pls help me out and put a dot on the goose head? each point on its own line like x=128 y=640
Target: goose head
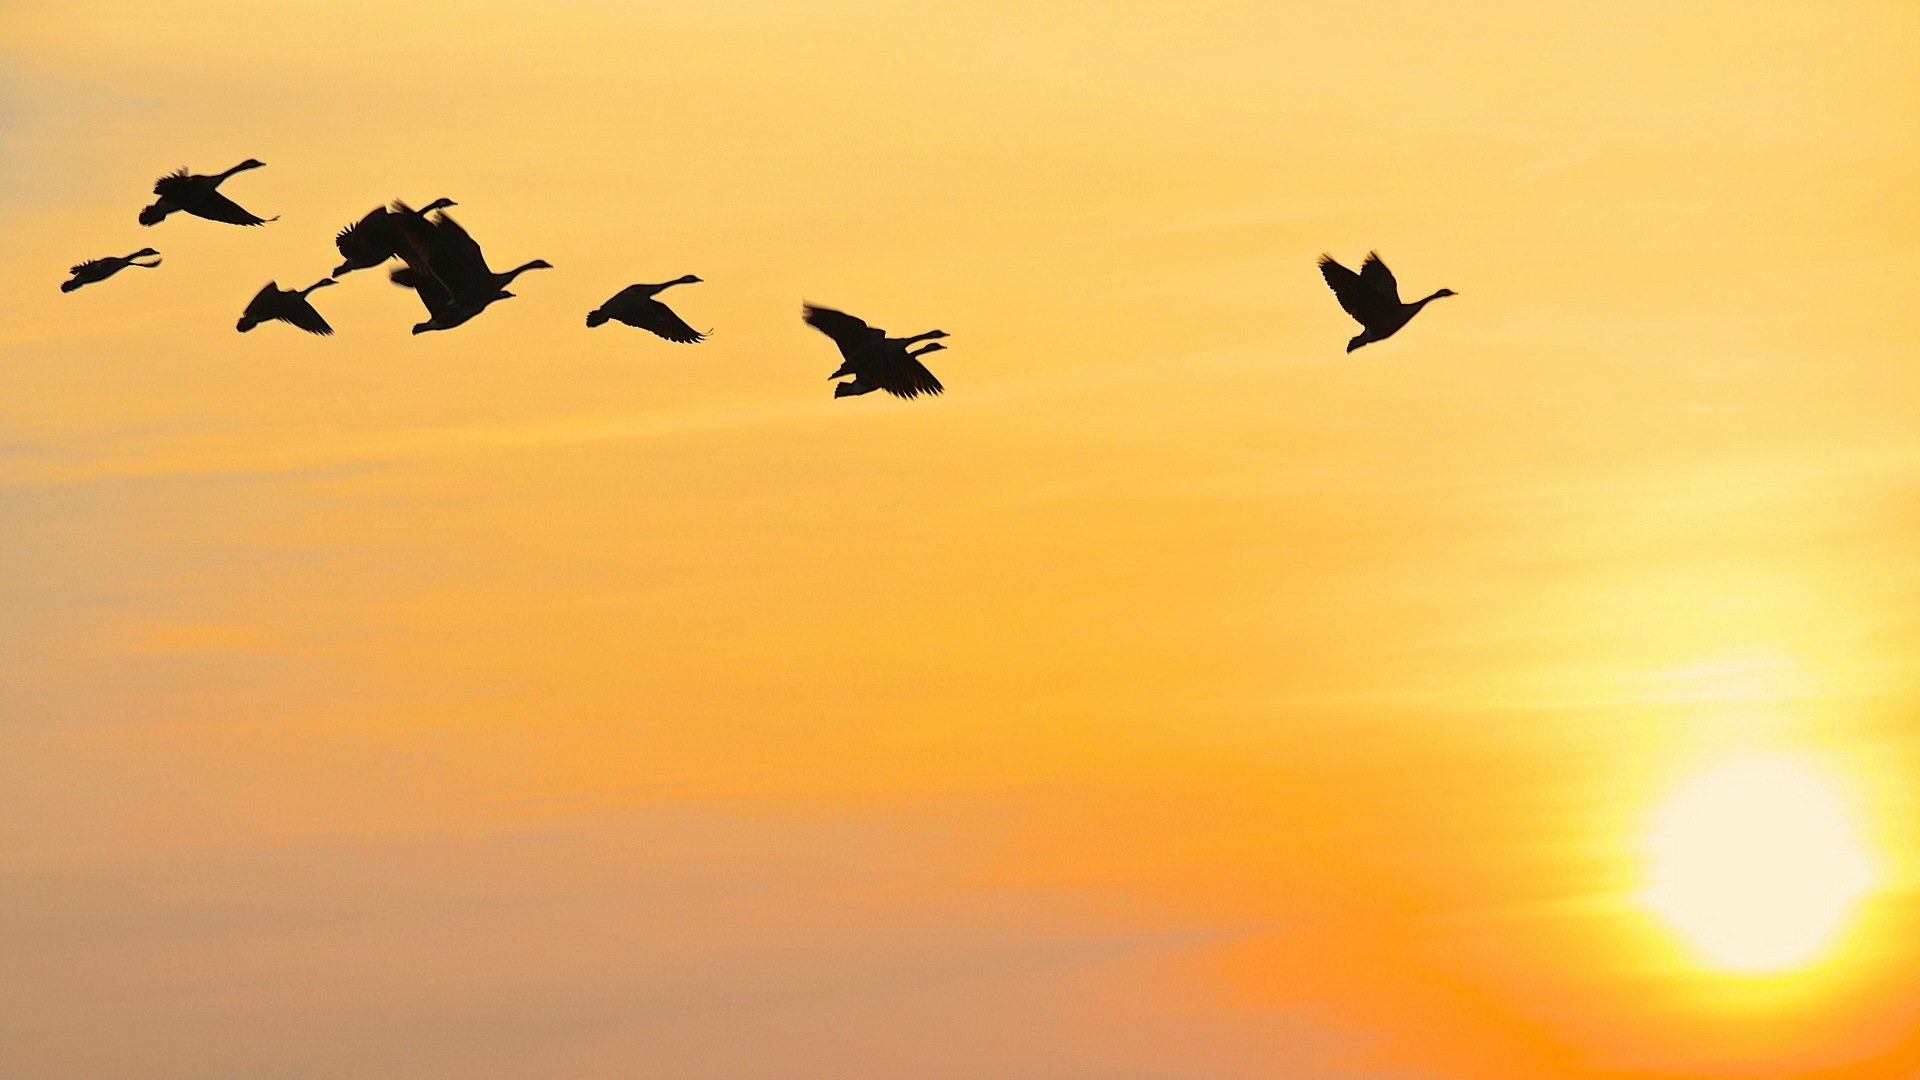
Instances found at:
x=438 y=204
x=685 y=279
x=142 y=253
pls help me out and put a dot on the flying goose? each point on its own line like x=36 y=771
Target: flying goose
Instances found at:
x=1372 y=297
x=101 y=269
x=876 y=361
x=443 y=311
x=635 y=306
x=375 y=238
x=442 y=250
x=196 y=195
x=287 y=305
x=897 y=370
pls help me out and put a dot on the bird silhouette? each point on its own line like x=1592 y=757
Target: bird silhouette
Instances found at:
x=444 y=312
x=101 y=269
x=287 y=305
x=447 y=268
x=635 y=306
x=196 y=195
x=1372 y=297
x=876 y=361
x=375 y=238
x=897 y=370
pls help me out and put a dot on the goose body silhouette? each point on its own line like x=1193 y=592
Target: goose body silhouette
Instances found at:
x=288 y=306
x=1372 y=297
x=447 y=268
x=94 y=270
x=876 y=361
x=375 y=238
x=444 y=310
x=635 y=306
x=895 y=369
x=198 y=195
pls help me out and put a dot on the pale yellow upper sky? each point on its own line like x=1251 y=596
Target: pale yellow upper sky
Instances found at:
x=1177 y=696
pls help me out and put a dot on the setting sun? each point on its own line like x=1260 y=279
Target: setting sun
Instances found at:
x=1757 y=863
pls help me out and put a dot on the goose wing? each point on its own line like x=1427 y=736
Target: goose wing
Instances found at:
x=906 y=377
x=650 y=314
x=1359 y=299
x=217 y=207
x=265 y=303
x=89 y=264
x=425 y=286
x=300 y=312
x=846 y=331
x=458 y=261
x=1379 y=278
x=175 y=184
x=427 y=269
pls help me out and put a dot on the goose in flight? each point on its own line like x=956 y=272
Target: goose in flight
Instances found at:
x=444 y=312
x=635 y=305
x=101 y=269
x=375 y=238
x=196 y=195
x=447 y=268
x=1372 y=297
x=287 y=305
x=876 y=361
x=897 y=370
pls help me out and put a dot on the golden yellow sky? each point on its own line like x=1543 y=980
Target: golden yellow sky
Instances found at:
x=1175 y=697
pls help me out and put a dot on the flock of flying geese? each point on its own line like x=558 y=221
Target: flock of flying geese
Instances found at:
x=446 y=269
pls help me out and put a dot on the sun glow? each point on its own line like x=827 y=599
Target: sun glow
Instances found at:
x=1757 y=863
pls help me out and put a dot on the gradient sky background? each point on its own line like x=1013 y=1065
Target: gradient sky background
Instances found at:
x=1176 y=697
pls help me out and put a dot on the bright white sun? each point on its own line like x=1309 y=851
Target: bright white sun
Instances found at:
x=1757 y=864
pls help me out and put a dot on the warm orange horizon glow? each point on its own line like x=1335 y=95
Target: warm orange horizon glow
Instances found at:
x=1176 y=696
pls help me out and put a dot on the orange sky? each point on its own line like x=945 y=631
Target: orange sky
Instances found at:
x=1176 y=697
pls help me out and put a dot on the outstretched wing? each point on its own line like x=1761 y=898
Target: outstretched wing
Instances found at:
x=173 y=183
x=83 y=267
x=457 y=260
x=660 y=319
x=264 y=304
x=908 y=377
x=217 y=207
x=846 y=331
x=425 y=286
x=1379 y=278
x=302 y=314
x=428 y=271
x=1359 y=298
